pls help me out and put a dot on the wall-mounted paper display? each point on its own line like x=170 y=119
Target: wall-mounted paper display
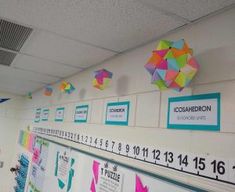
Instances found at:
x=197 y=112
x=68 y=169
x=117 y=113
x=102 y=79
x=66 y=87
x=81 y=114
x=172 y=65
x=37 y=115
x=48 y=90
x=203 y=165
x=45 y=114
x=2 y=100
x=59 y=115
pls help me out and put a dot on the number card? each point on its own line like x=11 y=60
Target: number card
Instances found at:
x=45 y=114
x=37 y=115
x=196 y=112
x=59 y=116
x=81 y=113
x=117 y=113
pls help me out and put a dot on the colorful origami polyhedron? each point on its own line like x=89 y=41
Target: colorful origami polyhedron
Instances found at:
x=48 y=90
x=102 y=79
x=66 y=87
x=172 y=65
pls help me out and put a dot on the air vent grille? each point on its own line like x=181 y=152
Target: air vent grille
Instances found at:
x=6 y=58
x=13 y=36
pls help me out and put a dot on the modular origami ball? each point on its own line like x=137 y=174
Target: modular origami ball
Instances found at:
x=66 y=87
x=102 y=79
x=172 y=65
x=48 y=90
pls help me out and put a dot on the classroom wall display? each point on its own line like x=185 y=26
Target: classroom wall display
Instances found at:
x=81 y=114
x=48 y=90
x=117 y=113
x=196 y=112
x=59 y=115
x=102 y=79
x=2 y=100
x=69 y=170
x=45 y=115
x=201 y=165
x=22 y=173
x=27 y=140
x=172 y=65
x=37 y=115
x=38 y=166
x=66 y=87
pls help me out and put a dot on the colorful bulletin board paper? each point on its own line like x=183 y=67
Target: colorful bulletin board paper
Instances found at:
x=139 y=187
x=48 y=90
x=196 y=112
x=45 y=114
x=81 y=114
x=59 y=116
x=66 y=87
x=102 y=79
x=117 y=113
x=37 y=115
x=172 y=65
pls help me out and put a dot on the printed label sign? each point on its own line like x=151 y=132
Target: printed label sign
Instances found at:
x=59 y=116
x=107 y=177
x=197 y=112
x=117 y=113
x=81 y=113
x=37 y=115
x=45 y=114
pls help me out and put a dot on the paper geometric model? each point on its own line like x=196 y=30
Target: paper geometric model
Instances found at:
x=66 y=87
x=48 y=90
x=139 y=187
x=29 y=95
x=4 y=100
x=102 y=79
x=172 y=65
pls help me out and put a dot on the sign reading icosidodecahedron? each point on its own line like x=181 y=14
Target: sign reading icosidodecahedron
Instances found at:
x=172 y=65
x=102 y=79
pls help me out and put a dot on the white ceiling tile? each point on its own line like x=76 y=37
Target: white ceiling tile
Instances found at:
x=19 y=74
x=190 y=9
x=16 y=86
x=57 y=48
x=43 y=66
x=114 y=24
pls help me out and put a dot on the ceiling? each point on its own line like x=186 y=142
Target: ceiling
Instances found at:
x=62 y=38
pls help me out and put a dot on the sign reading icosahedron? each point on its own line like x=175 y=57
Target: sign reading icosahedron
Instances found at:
x=172 y=65
x=102 y=79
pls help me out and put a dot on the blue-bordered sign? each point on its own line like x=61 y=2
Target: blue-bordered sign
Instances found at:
x=45 y=114
x=59 y=115
x=81 y=114
x=197 y=112
x=37 y=115
x=117 y=113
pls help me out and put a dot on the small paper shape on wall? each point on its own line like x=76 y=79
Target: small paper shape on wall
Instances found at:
x=139 y=187
x=29 y=95
x=172 y=65
x=66 y=87
x=4 y=100
x=48 y=90
x=102 y=79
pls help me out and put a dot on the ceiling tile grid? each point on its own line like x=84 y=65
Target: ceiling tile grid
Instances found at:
x=70 y=36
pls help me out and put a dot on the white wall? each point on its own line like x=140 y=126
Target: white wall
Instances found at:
x=8 y=135
x=213 y=41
